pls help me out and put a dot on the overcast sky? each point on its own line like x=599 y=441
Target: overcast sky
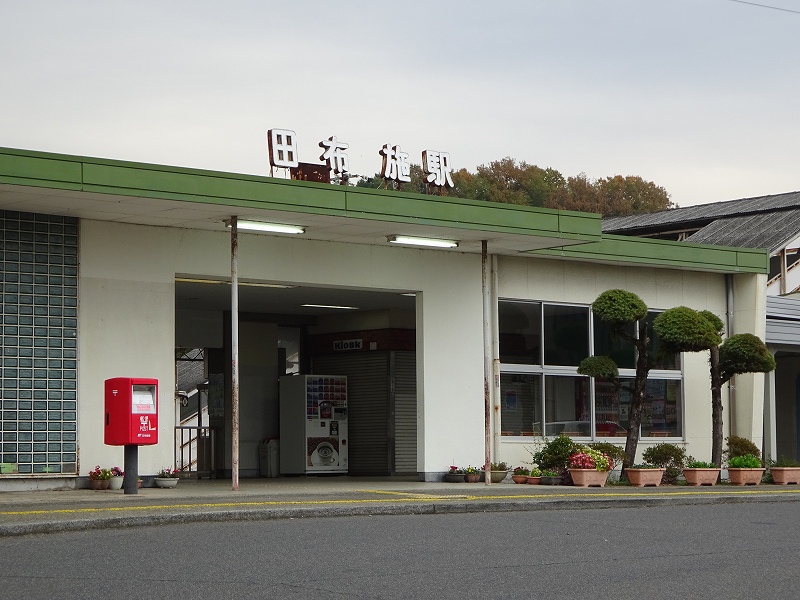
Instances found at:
x=700 y=96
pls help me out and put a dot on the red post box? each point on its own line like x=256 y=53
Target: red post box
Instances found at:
x=131 y=411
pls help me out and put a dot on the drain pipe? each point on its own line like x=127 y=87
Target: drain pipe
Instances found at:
x=729 y=329
x=234 y=354
x=495 y=331
x=487 y=349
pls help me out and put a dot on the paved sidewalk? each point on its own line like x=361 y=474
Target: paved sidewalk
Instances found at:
x=260 y=499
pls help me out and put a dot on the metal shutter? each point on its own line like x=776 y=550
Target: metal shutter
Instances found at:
x=405 y=411
x=367 y=407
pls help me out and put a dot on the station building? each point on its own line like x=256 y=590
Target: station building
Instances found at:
x=122 y=269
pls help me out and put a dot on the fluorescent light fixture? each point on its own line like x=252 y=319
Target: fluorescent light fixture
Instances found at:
x=279 y=286
x=329 y=306
x=266 y=227
x=418 y=241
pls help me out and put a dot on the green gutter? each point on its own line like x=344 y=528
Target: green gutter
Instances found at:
x=621 y=249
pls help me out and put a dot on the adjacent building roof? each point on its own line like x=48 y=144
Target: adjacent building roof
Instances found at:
x=768 y=222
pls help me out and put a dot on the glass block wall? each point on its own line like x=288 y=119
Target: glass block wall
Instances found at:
x=39 y=343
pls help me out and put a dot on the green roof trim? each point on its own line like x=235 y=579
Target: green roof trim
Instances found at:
x=60 y=171
x=24 y=167
x=621 y=249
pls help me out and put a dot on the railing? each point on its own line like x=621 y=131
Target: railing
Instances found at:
x=194 y=450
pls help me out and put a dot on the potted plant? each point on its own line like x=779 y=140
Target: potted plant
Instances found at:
x=498 y=472
x=99 y=479
x=785 y=471
x=698 y=472
x=520 y=475
x=535 y=476
x=589 y=468
x=745 y=470
x=454 y=475
x=550 y=477
x=117 y=476
x=670 y=457
x=645 y=474
x=472 y=474
x=553 y=455
x=167 y=478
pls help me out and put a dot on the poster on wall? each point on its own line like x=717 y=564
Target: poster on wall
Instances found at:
x=511 y=400
x=216 y=395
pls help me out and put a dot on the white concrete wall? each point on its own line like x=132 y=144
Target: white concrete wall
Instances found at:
x=749 y=316
x=564 y=281
x=127 y=322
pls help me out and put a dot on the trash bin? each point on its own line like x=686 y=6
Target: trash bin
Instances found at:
x=269 y=458
x=263 y=458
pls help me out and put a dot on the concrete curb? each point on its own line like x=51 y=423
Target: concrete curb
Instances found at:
x=145 y=518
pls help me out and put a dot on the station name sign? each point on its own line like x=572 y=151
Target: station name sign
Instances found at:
x=395 y=166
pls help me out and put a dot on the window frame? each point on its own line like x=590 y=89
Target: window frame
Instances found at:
x=572 y=371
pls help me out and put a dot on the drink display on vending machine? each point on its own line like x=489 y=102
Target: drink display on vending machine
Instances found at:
x=313 y=424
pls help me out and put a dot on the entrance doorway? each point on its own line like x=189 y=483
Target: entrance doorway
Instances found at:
x=285 y=330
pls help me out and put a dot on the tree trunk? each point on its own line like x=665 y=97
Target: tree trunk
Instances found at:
x=716 y=408
x=639 y=392
x=634 y=423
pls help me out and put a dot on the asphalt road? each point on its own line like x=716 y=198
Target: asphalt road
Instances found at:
x=724 y=550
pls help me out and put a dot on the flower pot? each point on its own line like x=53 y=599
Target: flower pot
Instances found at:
x=472 y=477
x=741 y=476
x=588 y=477
x=116 y=482
x=519 y=478
x=454 y=477
x=167 y=482
x=785 y=475
x=701 y=476
x=534 y=480
x=96 y=484
x=496 y=476
x=645 y=477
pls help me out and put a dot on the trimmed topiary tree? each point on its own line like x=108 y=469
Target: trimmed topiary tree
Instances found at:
x=625 y=314
x=683 y=329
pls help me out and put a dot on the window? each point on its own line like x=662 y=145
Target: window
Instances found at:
x=521 y=404
x=520 y=325
x=541 y=346
x=661 y=410
x=566 y=334
x=661 y=361
x=568 y=408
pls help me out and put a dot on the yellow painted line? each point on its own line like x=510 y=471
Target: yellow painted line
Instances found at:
x=415 y=495
x=398 y=497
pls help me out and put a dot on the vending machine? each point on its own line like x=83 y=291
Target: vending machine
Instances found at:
x=313 y=424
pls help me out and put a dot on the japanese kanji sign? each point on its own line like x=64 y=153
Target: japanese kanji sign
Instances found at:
x=396 y=166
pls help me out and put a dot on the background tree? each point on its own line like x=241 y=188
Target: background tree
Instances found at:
x=517 y=182
x=508 y=181
x=625 y=314
x=683 y=329
x=417 y=183
x=631 y=195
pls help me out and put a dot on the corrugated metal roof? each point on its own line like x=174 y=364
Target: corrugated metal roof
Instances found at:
x=702 y=213
x=771 y=230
